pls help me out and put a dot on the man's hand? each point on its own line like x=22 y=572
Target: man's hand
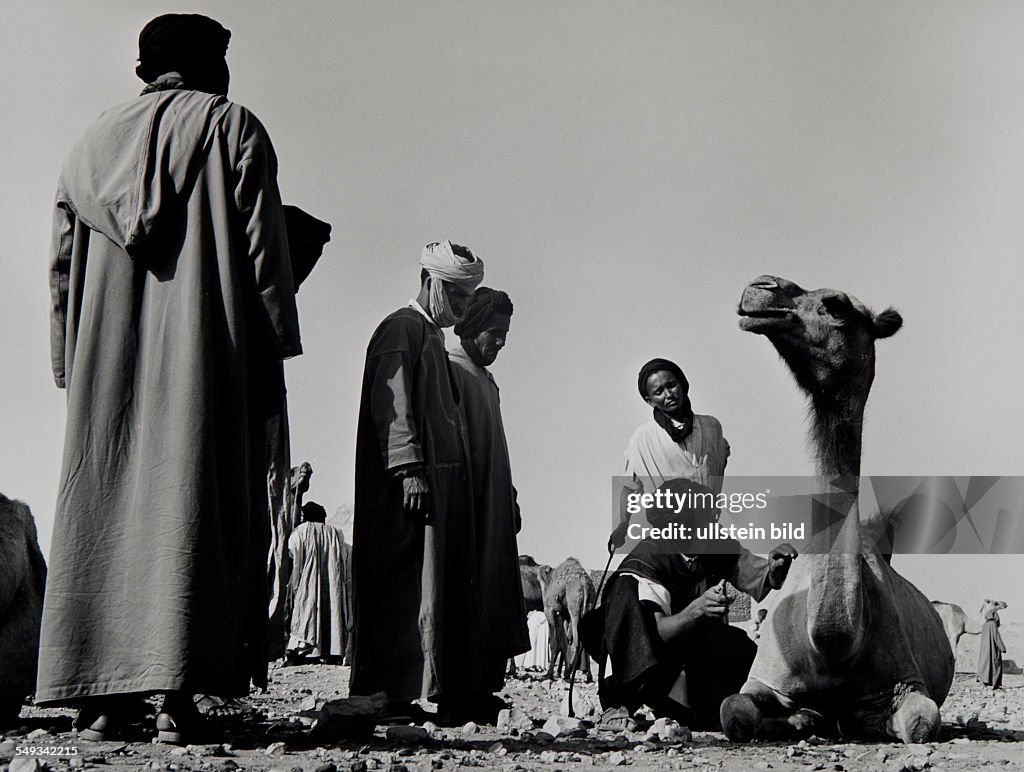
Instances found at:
x=778 y=563
x=713 y=604
x=414 y=494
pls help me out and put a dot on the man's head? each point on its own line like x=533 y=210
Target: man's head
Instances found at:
x=449 y=275
x=663 y=386
x=313 y=513
x=683 y=502
x=192 y=45
x=484 y=327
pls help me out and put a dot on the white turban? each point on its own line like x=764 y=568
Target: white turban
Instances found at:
x=443 y=265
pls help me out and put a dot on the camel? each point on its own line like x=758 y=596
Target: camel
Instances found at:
x=957 y=624
x=533 y=576
x=22 y=580
x=568 y=595
x=850 y=644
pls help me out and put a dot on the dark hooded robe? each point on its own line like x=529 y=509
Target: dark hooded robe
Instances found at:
x=172 y=306
x=990 y=653
x=500 y=617
x=414 y=581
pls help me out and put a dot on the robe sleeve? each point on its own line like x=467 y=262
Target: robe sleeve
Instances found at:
x=751 y=574
x=392 y=361
x=259 y=202
x=60 y=276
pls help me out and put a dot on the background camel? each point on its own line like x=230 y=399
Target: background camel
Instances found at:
x=22 y=579
x=567 y=596
x=956 y=623
x=850 y=642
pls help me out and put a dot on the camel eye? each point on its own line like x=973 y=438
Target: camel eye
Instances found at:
x=836 y=306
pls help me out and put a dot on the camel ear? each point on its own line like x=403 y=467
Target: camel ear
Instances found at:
x=887 y=323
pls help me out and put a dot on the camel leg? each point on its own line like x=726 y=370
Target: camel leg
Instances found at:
x=915 y=720
x=554 y=643
x=759 y=712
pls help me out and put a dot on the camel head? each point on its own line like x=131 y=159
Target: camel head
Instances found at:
x=991 y=605
x=826 y=337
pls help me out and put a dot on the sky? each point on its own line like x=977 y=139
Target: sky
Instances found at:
x=623 y=169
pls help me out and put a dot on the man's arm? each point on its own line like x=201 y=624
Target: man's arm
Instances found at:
x=60 y=278
x=391 y=404
x=259 y=203
x=756 y=576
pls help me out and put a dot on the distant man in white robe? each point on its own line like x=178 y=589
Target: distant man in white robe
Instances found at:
x=500 y=617
x=320 y=593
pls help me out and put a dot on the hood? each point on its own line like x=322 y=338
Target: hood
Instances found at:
x=129 y=174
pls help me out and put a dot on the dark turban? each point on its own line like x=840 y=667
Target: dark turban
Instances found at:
x=181 y=42
x=313 y=512
x=657 y=366
x=483 y=306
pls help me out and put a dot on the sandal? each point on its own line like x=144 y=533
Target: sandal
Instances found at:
x=180 y=723
x=217 y=708
x=104 y=717
x=617 y=720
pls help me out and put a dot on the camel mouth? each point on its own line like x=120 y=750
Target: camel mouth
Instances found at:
x=763 y=320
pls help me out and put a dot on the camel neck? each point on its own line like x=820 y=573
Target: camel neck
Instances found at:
x=837 y=436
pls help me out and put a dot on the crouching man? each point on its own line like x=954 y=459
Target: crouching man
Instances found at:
x=662 y=634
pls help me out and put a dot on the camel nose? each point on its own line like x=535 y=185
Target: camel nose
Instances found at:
x=765 y=282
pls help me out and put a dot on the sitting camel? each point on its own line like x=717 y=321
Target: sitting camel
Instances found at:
x=850 y=643
x=568 y=595
x=957 y=624
x=22 y=579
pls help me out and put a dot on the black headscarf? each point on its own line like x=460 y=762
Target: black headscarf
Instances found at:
x=685 y=412
x=484 y=304
x=313 y=513
x=188 y=43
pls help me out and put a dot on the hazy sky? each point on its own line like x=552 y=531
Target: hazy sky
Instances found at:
x=623 y=169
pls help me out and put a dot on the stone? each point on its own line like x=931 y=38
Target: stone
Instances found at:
x=563 y=726
x=37 y=734
x=8 y=747
x=276 y=749
x=514 y=718
x=671 y=731
x=470 y=728
x=616 y=759
x=25 y=764
x=549 y=757
x=351 y=718
x=407 y=734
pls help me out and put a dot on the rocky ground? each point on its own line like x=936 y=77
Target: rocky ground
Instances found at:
x=981 y=728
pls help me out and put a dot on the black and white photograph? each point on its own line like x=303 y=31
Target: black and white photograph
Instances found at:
x=412 y=386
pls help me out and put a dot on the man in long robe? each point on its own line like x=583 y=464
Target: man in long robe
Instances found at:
x=307 y=236
x=413 y=543
x=500 y=619
x=991 y=648
x=285 y=492
x=318 y=588
x=172 y=297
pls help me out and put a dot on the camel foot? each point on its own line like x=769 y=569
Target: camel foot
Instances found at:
x=741 y=718
x=916 y=720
